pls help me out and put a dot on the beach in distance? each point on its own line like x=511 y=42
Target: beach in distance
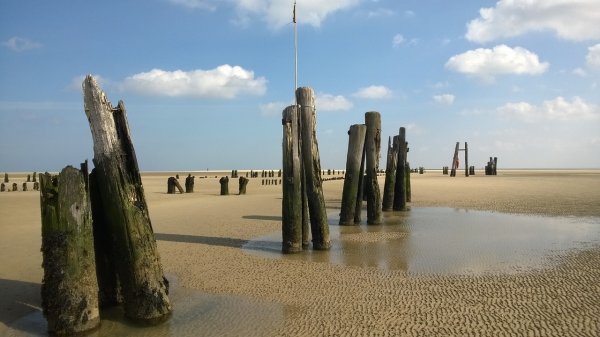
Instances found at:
x=517 y=254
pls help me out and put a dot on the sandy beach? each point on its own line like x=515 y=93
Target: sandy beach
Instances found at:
x=206 y=245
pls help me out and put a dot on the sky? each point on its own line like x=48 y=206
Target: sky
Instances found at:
x=205 y=81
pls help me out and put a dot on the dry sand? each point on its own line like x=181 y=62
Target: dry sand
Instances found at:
x=200 y=239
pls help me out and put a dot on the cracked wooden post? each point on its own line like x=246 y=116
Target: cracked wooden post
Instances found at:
x=372 y=153
x=291 y=224
x=390 y=175
x=143 y=285
x=312 y=169
x=400 y=188
x=224 y=181
x=356 y=144
x=69 y=287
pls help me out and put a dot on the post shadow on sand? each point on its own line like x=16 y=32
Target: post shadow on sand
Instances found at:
x=220 y=241
x=262 y=217
x=19 y=299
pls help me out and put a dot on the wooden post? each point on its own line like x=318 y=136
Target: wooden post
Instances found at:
x=14 y=187
x=356 y=143
x=495 y=166
x=34 y=177
x=312 y=169
x=390 y=174
x=189 y=183
x=361 y=189
x=106 y=271
x=69 y=287
x=243 y=182
x=454 y=161
x=24 y=187
x=291 y=224
x=143 y=285
x=466 y=160
x=408 y=190
x=224 y=181
x=171 y=185
x=372 y=153
x=29 y=178
x=5 y=177
x=2 y=187
x=400 y=188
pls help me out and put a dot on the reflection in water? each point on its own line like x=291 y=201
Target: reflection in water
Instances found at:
x=448 y=241
x=194 y=314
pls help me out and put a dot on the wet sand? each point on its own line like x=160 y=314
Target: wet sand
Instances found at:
x=203 y=241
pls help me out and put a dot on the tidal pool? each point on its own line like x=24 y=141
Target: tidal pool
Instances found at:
x=195 y=314
x=448 y=241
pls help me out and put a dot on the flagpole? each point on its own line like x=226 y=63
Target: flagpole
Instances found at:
x=295 y=55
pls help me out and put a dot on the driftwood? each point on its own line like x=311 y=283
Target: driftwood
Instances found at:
x=69 y=287
x=312 y=169
x=291 y=225
x=133 y=246
x=372 y=153
x=356 y=143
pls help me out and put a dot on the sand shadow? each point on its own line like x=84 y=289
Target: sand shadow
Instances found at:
x=262 y=217
x=19 y=299
x=220 y=241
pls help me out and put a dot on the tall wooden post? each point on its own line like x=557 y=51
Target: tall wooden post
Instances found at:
x=5 y=177
x=390 y=174
x=400 y=188
x=361 y=189
x=372 y=153
x=356 y=143
x=495 y=166
x=69 y=287
x=291 y=205
x=143 y=285
x=312 y=169
x=466 y=160
x=454 y=161
x=408 y=190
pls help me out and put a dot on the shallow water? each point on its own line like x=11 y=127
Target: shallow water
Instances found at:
x=448 y=241
x=195 y=314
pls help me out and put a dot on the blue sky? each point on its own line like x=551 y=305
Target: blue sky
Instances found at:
x=205 y=81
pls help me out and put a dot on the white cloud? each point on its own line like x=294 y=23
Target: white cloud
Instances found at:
x=380 y=12
x=278 y=13
x=579 y=72
x=272 y=108
x=327 y=102
x=593 y=57
x=195 y=4
x=398 y=40
x=373 y=92
x=19 y=44
x=225 y=81
x=446 y=99
x=558 y=109
x=570 y=19
x=486 y=63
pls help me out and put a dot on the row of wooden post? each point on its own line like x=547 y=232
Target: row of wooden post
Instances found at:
x=36 y=187
x=491 y=167
x=303 y=198
x=98 y=244
x=28 y=177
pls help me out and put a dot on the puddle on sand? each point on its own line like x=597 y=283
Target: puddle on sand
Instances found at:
x=194 y=314
x=447 y=241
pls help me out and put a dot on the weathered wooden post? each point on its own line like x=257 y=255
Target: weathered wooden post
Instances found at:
x=408 y=190
x=29 y=178
x=2 y=187
x=69 y=287
x=243 y=182
x=495 y=166
x=400 y=188
x=5 y=177
x=189 y=183
x=14 y=187
x=171 y=185
x=390 y=174
x=24 y=187
x=361 y=189
x=34 y=177
x=312 y=169
x=466 y=160
x=356 y=143
x=372 y=153
x=455 y=163
x=292 y=187
x=143 y=285
x=224 y=181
